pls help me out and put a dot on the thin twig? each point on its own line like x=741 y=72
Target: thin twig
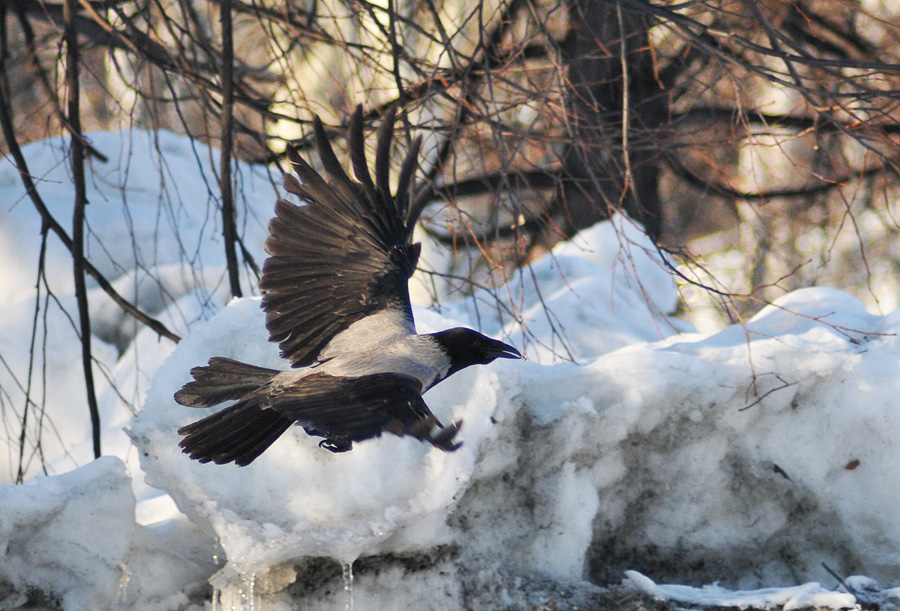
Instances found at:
x=776 y=389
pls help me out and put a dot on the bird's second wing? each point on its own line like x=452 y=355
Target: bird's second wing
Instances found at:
x=352 y=409
x=344 y=255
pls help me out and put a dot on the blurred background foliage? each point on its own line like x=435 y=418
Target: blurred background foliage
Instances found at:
x=758 y=138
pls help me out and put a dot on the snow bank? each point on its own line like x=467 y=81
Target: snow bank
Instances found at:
x=744 y=453
x=627 y=442
x=53 y=542
x=71 y=540
x=740 y=456
x=388 y=495
x=385 y=496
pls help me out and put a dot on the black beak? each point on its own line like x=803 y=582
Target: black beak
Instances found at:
x=499 y=350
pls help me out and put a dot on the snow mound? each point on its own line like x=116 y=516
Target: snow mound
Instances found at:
x=749 y=457
x=386 y=495
x=605 y=289
x=740 y=456
x=53 y=543
x=71 y=540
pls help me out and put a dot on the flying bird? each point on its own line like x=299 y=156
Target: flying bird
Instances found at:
x=337 y=303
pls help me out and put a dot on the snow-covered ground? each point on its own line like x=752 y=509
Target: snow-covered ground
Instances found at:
x=736 y=465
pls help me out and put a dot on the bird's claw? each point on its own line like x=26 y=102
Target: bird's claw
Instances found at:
x=444 y=438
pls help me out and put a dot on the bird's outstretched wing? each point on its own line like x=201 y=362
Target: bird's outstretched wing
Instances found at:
x=344 y=255
x=344 y=410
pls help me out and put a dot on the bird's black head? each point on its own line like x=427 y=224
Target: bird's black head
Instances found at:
x=467 y=347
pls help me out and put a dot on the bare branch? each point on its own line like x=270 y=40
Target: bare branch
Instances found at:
x=229 y=228
x=74 y=122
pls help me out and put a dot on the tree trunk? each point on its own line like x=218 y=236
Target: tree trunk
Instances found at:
x=610 y=163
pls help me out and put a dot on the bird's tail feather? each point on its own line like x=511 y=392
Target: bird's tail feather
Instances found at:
x=221 y=380
x=239 y=433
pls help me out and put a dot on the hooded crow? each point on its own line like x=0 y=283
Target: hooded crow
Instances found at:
x=337 y=303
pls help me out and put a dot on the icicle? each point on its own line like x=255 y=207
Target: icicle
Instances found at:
x=233 y=591
x=122 y=593
x=245 y=600
x=230 y=591
x=217 y=590
x=347 y=572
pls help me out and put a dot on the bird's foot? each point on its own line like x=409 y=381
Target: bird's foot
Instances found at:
x=444 y=438
x=441 y=437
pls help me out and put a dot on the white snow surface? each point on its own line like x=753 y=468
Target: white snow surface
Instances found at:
x=747 y=457
x=808 y=595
